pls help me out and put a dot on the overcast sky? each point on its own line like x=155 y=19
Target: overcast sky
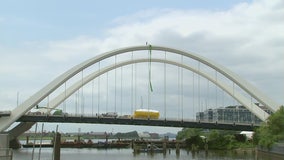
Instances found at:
x=40 y=40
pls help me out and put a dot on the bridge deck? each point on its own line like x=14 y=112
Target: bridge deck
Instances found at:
x=132 y=121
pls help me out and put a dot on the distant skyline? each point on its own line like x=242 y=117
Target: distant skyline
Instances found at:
x=40 y=40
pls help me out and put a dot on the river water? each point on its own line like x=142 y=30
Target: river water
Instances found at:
x=127 y=154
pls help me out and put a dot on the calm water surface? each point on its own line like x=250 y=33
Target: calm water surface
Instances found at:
x=127 y=154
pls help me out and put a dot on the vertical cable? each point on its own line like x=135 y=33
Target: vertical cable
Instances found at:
x=149 y=82
x=82 y=94
x=181 y=88
x=193 y=98
x=216 y=100
x=121 y=91
x=251 y=105
x=179 y=92
x=99 y=88
x=165 y=87
x=115 y=85
x=208 y=95
x=76 y=103
x=132 y=83
x=234 y=100
x=106 y=92
x=199 y=85
x=223 y=105
x=233 y=93
x=48 y=101
x=135 y=86
x=64 y=103
x=92 y=98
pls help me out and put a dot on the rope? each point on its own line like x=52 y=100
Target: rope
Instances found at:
x=150 y=61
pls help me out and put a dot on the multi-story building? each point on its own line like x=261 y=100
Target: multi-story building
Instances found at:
x=238 y=114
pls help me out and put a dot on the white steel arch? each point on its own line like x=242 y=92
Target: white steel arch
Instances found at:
x=239 y=97
x=44 y=92
x=72 y=89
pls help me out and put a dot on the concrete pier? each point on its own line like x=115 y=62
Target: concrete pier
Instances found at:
x=5 y=151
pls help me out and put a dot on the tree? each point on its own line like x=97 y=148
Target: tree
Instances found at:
x=271 y=131
x=188 y=132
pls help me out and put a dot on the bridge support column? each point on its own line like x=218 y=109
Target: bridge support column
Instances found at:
x=4 y=140
x=5 y=151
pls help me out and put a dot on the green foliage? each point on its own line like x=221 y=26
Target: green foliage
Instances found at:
x=216 y=139
x=187 y=133
x=272 y=131
x=223 y=140
x=128 y=135
x=195 y=141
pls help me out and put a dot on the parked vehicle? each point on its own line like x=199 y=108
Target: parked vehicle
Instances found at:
x=146 y=114
x=110 y=114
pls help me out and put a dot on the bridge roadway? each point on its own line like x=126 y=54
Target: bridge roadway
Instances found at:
x=134 y=121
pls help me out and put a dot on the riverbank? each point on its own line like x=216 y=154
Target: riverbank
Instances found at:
x=277 y=150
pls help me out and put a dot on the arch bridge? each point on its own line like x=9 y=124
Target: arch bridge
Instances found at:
x=193 y=74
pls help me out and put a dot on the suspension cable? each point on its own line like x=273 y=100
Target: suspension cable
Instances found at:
x=223 y=105
x=64 y=103
x=82 y=94
x=149 y=82
x=251 y=106
x=193 y=98
x=115 y=85
x=132 y=84
x=216 y=94
x=179 y=92
x=199 y=85
x=99 y=88
x=208 y=95
x=107 y=92
x=76 y=102
x=181 y=89
x=135 y=86
x=121 y=90
x=165 y=87
x=92 y=98
x=48 y=101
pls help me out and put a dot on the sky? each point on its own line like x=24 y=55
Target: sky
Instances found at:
x=40 y=40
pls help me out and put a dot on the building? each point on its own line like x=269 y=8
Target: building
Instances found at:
x=238 y=114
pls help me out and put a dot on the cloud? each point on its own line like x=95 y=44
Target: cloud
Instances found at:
x=247 y=38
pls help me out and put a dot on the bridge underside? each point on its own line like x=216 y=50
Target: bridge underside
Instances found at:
x=145 y=122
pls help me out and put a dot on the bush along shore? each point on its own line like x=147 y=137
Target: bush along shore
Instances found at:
x=197 y=139
x=270 y=133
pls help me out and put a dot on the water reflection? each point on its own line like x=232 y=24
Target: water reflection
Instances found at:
x=127 y=154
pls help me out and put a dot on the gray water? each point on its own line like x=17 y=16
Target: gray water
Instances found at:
x=127 y=154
